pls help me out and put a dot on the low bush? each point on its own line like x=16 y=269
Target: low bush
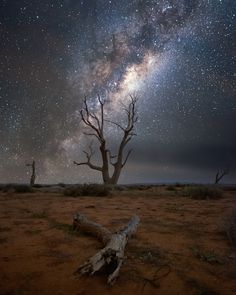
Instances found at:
x=202 y=192
x=39 y=215
x=61 y=184
x=180 y=184
x=87 y=190
x=140 y=187
x=38 y=185
x=120 y=188
x=17 y=188
x=229 y=188
x=209 y=257
x=67 y=228
x=171 y=188
x=230 y=227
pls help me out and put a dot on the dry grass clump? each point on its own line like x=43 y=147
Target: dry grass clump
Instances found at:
x=171 y=188
x=98 y=190
x=229 y=188
x=139 y=187
x=203 y=192
x=16 y=188
x=229 y=227
x=209 y=256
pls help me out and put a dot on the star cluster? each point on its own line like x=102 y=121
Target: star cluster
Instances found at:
x=178 y=56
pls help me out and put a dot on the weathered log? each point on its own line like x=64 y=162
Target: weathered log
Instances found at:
x=112 y=254
x=94 y=229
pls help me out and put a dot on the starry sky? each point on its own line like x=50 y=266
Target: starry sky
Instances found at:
x=177 y=56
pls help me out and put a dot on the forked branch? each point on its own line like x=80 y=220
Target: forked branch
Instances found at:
x=88 y=162
x=127 y=156
x=220 y=174
x=113 y=252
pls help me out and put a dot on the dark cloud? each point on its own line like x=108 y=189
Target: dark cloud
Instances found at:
x=196 y=156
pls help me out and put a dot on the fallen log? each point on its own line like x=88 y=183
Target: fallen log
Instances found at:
x=112 y=254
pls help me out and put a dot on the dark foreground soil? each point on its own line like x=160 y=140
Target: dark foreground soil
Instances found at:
x=180 y=246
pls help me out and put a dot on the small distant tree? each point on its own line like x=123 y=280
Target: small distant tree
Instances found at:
x=33 y=175
x=95 y=122
x=220 y=174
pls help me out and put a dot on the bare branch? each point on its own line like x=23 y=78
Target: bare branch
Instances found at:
x=86 y=115
x=112 y=122
x=88 y=163
x=91 y=134
x=131 y=114
x=90 y=153
x=100 y=100
x=127 y=156
x=111 y=157
x=80 y=163
x=127 y=140
x=131 y=118
x=102 y=113
x=94 y=167
x=133 y=134
x=220 y=174
x=96 y=119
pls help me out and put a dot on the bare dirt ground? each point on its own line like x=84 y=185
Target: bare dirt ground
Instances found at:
x=179 y=247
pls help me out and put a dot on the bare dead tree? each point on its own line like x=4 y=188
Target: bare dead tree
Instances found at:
x=95 y=123
x=33 y=175
x=220 y=174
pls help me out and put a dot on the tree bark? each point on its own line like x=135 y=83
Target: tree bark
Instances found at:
x=33 y=175
x=112 y=254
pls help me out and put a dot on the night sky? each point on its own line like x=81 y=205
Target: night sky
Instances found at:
x=177 y=56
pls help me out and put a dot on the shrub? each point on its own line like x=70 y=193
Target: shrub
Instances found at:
x=39 y=215
x=68 y=228
x=210 y=257
x=2 y=186
x=229 y=188
x=17 y=188
x=180 y=184
x=87 y=190
x=95 y=190
x=23 y=189
x=230 y=227
x=202 y=192
x=38 y=185
x=171 y=188
x=140 y=187
x=120 y=188
x=61 y=184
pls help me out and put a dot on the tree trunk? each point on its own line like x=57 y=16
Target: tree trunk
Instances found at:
x=33 y=175
x=112 y=254
x=116 y=174
x=105 y=166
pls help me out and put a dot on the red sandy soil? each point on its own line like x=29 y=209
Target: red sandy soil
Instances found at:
x=179 y=247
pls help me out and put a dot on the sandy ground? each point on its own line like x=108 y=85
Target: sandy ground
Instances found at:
x=179 y=247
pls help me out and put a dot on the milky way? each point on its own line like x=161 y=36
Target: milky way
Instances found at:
x=178 y=56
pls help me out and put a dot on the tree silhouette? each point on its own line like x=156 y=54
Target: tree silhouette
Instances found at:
x=220 y=174
x=95 y=123
x=33 y=175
